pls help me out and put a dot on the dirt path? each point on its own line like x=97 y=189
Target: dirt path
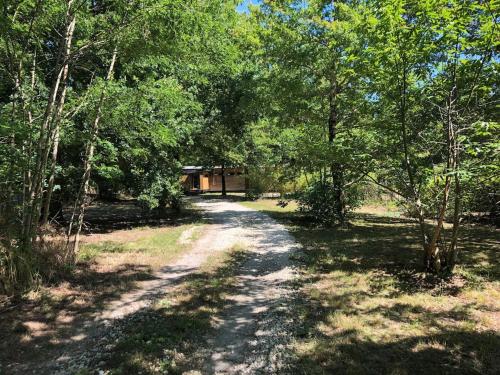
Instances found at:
x=253 y=328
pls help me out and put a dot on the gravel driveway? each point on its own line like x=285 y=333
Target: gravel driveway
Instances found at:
x=255 y=328
x=253 y=331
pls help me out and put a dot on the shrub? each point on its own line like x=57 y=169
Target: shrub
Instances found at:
x=45 y=261
x=320 y=201
x=253 y=194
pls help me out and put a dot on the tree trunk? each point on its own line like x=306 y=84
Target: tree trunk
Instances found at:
x=335 y=168
x=29 y=146
x=453 y=249
x=223 y=179
x=7 y=196
x=433 y=253
x=452 y=255
x=415 y=195
x=32 y=216
x=247 y=180
x=55 y=139
x=81 y=201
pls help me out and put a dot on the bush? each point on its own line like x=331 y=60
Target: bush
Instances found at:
x=268 y=179
x=253 y=194
x=163 y=192
x=319 y=200
x=25 y=269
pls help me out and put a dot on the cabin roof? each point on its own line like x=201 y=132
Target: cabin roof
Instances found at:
x=191 y=169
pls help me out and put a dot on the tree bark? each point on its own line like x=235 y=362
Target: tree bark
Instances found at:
x=453 y=249
x=55 y=148
x=223 y=180
x=335 y=168
x=43 y=149
x=452 y=255
x=433 y=252
x=81 y=201
x=28 y=146
x=415 y=195
x=56 y=133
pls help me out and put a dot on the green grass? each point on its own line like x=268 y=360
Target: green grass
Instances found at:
x=270 y=205
x=367 y=309
x=156 y=246
x=285 y=214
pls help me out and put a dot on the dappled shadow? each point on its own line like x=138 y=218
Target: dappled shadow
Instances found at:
x=292 y=218
x=31 y=329
x=67 y=345
x=446 y=352
x=387 y=249
x=367 y=307
x=390 y=246
x=480 y=250
x=63 y=327
x=105 y=217
x=179 y=335
x=67 y=312
x=171 y=337
x=253 y=321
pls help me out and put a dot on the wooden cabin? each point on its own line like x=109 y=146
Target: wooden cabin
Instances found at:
x=196 y=179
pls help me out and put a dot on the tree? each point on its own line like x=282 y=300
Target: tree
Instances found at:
x=315 y=60
x=226 y=96
x=427 y=76
x=84 y=80
x=32 y=123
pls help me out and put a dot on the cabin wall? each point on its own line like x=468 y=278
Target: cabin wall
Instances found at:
x=233 y=183
x=205 y=183
x=186 y=182
x=212 y=181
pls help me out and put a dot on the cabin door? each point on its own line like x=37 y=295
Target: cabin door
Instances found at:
x=196 y=181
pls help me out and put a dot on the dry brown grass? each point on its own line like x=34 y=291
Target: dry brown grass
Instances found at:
x=109 y=265
x=368 y=309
